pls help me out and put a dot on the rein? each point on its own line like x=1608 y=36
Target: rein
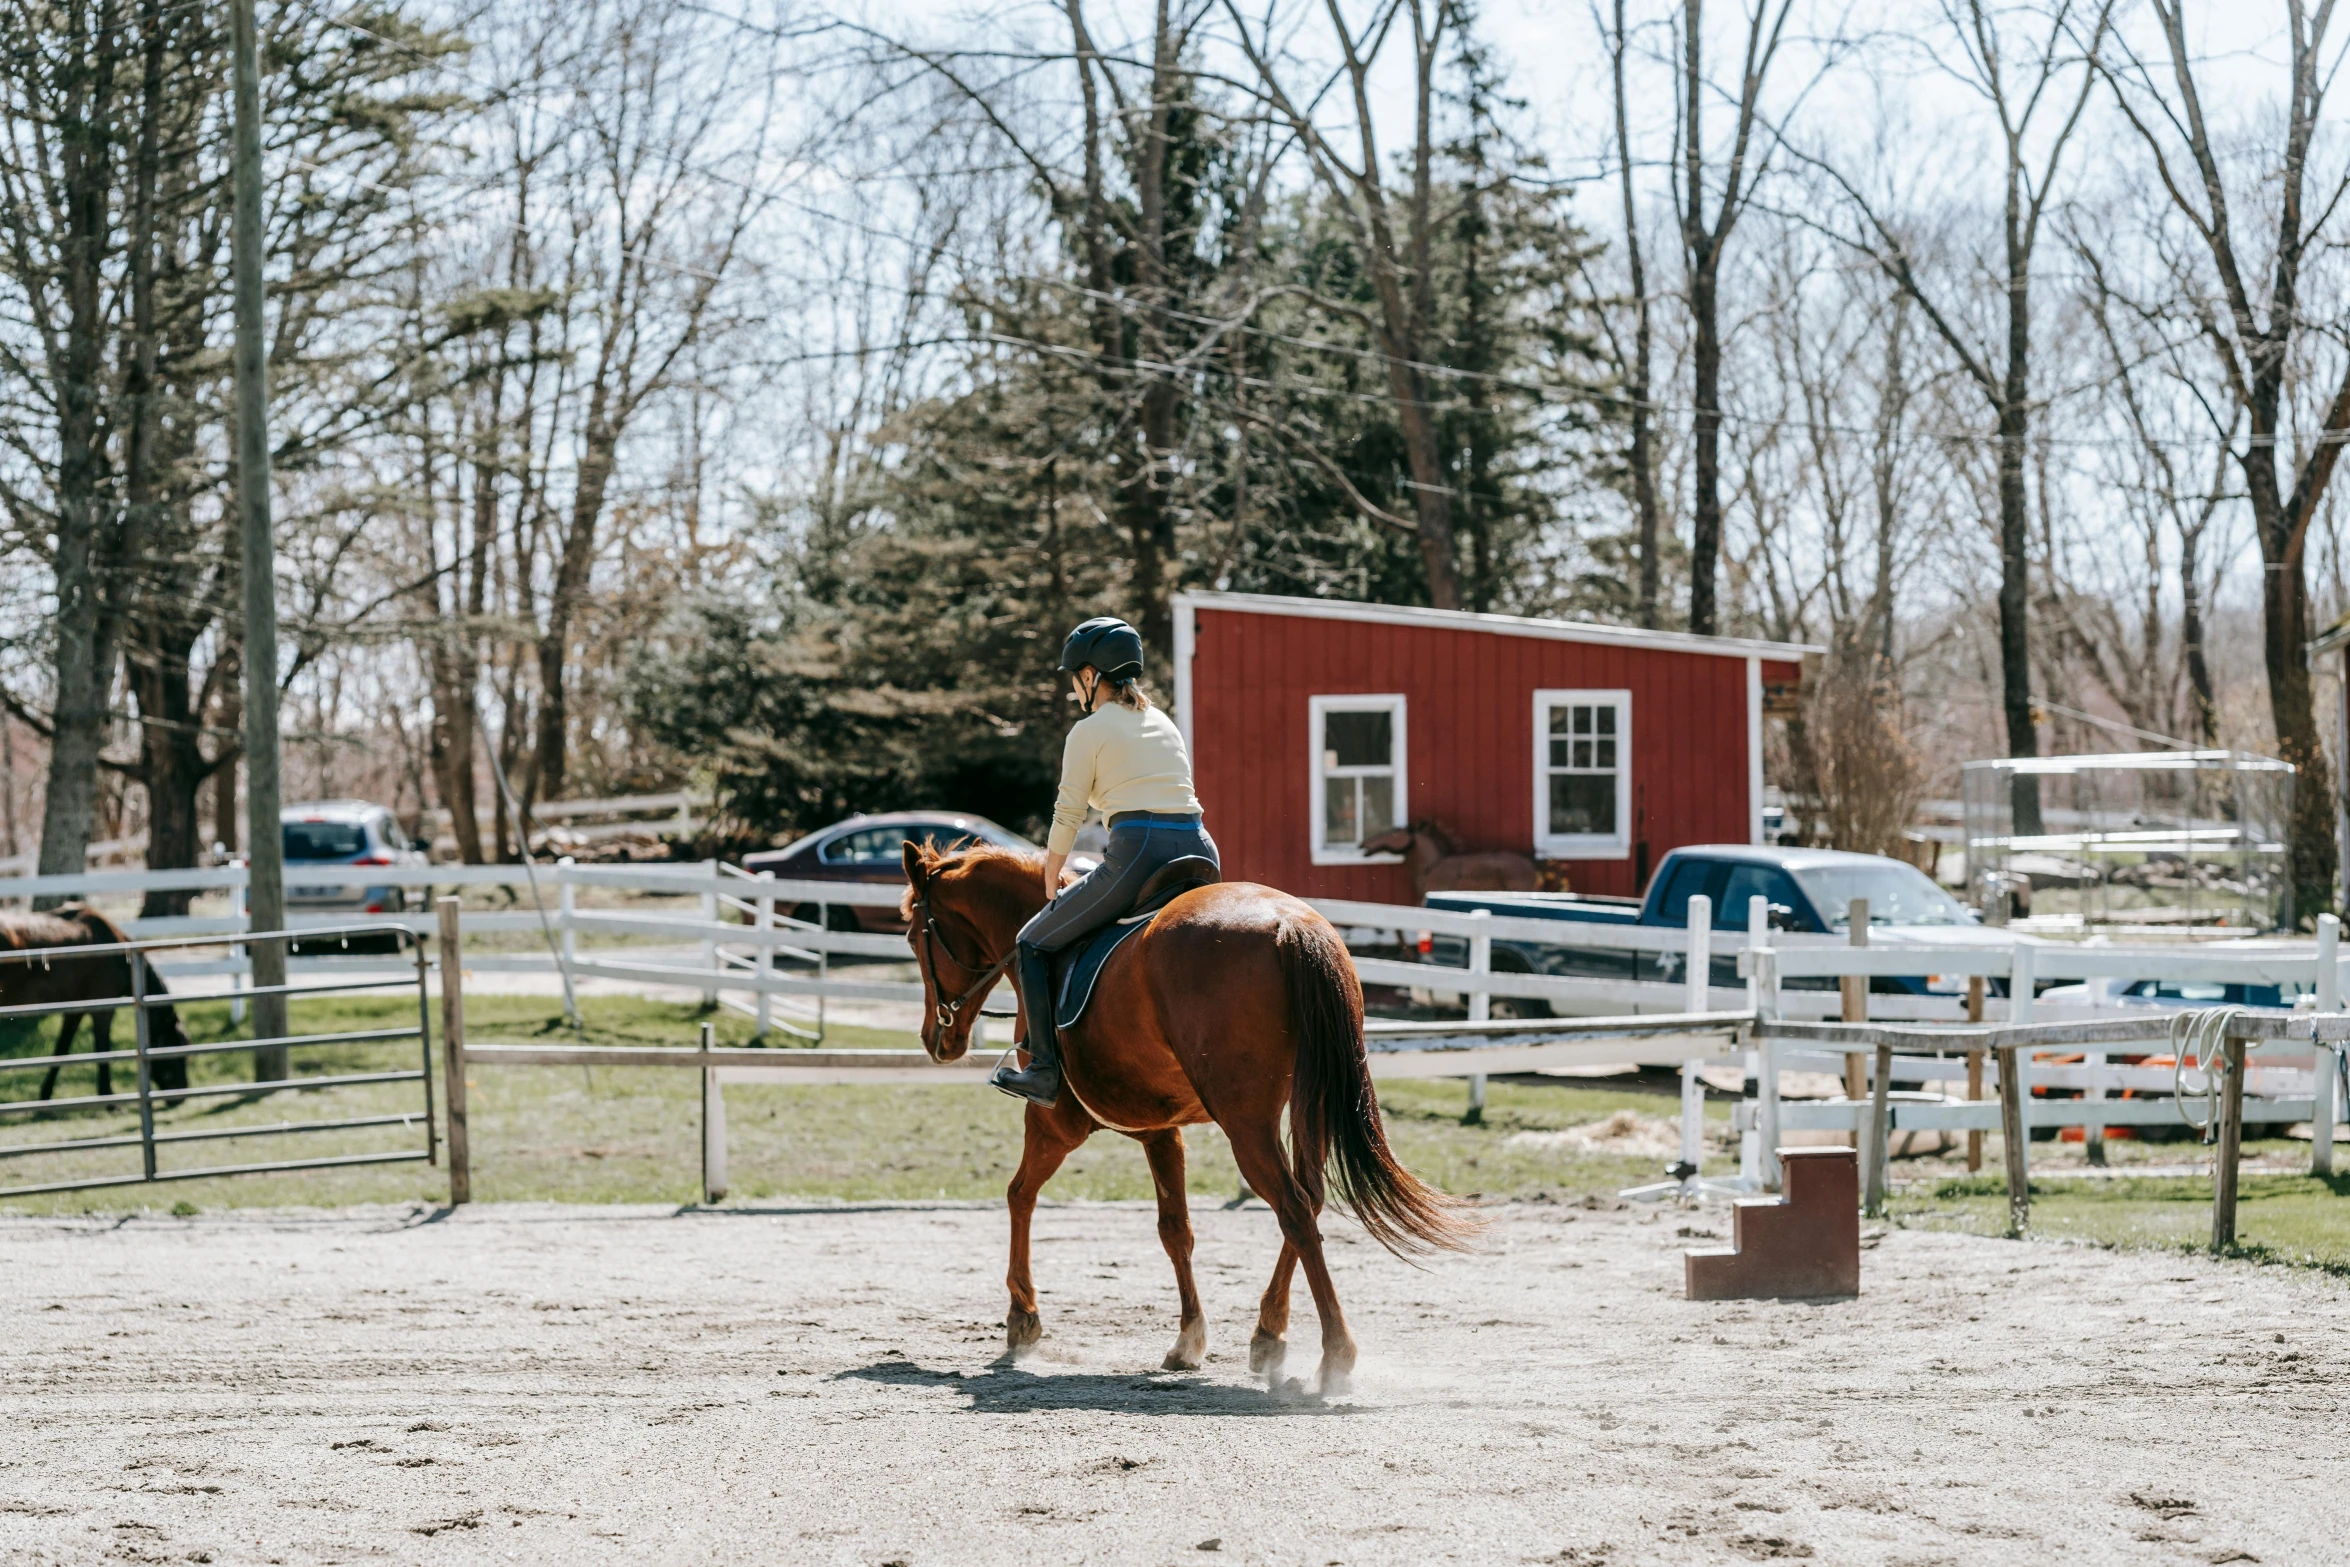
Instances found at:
x=949 y=1010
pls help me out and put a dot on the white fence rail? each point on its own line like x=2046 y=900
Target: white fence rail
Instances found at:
x=741 y=926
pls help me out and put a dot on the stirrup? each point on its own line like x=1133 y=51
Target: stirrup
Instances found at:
x=1007 y=1071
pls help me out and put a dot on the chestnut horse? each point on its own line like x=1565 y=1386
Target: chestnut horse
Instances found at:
x=1238 y=1001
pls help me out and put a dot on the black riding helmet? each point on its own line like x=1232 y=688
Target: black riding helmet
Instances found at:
x=1108 y=644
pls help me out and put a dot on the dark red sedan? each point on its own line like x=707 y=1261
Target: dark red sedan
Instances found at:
x=871 y=850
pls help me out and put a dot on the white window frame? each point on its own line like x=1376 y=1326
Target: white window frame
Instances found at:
x=1391 y=703
x=1582 y=845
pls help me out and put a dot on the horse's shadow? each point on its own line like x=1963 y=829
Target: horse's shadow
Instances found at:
x=1005 y=1388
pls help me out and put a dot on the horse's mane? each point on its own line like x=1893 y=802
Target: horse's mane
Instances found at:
x=984 y=863
x=973 y=856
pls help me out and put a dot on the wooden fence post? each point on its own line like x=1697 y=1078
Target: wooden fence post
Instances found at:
x=713 y=1130
x=1880 y=1132
x=1480 y=1001
x=1974 y=1071
x=2015 y=1132
x=1762 y=994
x=710 y=943
x=453 y=1053
x=2323 y=1058
x=1855 y=989
x=765 y=1005
x=2231 y=1143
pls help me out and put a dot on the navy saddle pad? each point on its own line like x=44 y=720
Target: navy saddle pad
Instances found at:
x=1075 y=968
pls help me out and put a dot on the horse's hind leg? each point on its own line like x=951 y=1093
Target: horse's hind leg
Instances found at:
x=1165 y=1151
x=66 y=1029
x=1048 y=1143
x=101 y=1041
x=1269 y=1346
x=1297 y=1207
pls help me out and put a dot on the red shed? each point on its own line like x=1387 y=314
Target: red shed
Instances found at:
x=1314 y=725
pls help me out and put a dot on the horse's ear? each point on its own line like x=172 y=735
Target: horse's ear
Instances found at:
x=913 y=862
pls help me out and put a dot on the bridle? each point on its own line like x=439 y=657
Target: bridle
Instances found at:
x=948 y=1011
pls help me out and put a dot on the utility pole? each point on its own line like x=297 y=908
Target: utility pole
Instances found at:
x=265 y=899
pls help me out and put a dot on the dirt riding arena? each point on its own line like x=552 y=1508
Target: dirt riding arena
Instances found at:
x=823 y=1386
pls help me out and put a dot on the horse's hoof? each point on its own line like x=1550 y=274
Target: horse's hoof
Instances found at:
x=1191 y=1348
x=1021 y=1330
x=1266 y=1351
x=1338 y=1366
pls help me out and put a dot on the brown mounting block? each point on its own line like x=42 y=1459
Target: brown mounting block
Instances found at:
x=1238 y=1003
x=1805 y=1244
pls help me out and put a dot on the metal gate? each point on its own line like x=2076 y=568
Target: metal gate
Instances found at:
x=142 y=1001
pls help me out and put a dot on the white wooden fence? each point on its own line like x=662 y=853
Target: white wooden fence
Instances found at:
x=740 y=926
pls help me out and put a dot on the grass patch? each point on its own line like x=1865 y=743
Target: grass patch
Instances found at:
x=2299 y=1219
x=629 y=1134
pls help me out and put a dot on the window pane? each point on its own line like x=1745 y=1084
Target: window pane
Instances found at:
x=1582 y=720
x=1689 y=879
x=1746 y=883
x=1558 y=720
x=1582 y=753
x=1338 y=811
x=324 y=840
x=1582 y=803
x=1607 y=720
x=1360 y=739
x=1378 y=804
x=1605 y=756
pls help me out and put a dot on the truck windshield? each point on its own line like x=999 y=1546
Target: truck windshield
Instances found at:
x=1897 y=894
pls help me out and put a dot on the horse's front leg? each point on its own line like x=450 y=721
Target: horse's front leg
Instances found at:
x=65 y=1032
x=1164 y=1149
x=1052 y=1134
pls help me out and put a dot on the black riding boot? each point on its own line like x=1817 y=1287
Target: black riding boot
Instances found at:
x=1041 y=1082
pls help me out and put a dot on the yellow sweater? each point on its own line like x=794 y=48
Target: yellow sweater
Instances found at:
x=1117 y=759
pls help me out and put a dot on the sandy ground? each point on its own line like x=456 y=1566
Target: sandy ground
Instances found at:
x=822 y=1385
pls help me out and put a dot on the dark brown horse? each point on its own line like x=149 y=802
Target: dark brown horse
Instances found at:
x=1438 y=863
x=67 y=976
x=1237 y=1003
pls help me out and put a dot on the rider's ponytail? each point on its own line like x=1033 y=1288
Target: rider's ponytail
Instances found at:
x=1129 y=693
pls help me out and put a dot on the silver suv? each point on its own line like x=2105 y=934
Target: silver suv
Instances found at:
x=343 y=832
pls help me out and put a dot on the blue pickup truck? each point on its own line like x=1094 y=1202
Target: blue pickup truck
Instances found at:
x=1809 y=891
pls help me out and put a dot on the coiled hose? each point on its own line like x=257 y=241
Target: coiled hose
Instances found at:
x=2200 y=1038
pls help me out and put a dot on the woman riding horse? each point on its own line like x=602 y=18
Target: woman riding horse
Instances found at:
x=1236 y=1005
x=1125 y=759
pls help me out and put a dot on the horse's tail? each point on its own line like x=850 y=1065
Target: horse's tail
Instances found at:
x=1334 y=1115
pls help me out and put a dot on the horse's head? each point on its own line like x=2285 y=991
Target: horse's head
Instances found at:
x=1396 y=840
x=964 y=909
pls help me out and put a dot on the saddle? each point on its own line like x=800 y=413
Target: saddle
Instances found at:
x=1077 y=966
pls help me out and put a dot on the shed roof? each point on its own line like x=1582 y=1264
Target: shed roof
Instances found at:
x=1497 y=625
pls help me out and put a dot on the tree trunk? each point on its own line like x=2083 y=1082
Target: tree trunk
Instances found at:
x=1150 y=527
x=171 y=761
x=1643 y=454
x=87 y=531
x=1705 y=534
x=2191 y=634
x=571 y=579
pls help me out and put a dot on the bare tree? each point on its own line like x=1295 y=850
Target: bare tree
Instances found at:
x=1395 y=235
x=2263 y=334
x=2021 y=77
x=1705 y=239
x=1638 y=365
